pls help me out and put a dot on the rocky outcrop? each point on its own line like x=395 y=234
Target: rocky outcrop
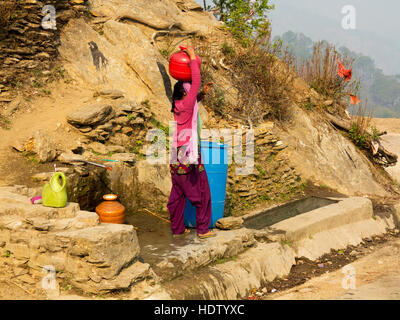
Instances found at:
x=25 y=46
x=324 y=156
x=93 y=256
x=91 y=115
x=109 y=120
x=123 y=35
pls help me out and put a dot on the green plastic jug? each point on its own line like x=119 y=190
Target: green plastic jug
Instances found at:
x=54 y=194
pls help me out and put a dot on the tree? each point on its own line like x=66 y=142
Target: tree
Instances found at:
x=297 y=44
x=246 y=19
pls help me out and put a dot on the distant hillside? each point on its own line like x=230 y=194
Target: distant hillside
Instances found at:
x=376 y=34
x=382 y=91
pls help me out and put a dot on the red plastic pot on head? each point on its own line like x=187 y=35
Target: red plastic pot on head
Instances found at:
x=179 y=66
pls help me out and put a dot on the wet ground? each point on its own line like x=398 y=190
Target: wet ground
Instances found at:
x=155 y=237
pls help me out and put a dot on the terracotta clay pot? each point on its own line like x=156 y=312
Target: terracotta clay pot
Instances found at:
x=110 y=210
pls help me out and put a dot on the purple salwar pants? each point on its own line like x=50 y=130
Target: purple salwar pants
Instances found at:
x=193 y=185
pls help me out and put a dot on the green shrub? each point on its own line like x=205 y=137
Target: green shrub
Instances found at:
x=228 y=50
x=238 y=18
x=357 y=136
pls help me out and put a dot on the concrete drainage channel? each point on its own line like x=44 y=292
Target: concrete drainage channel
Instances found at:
x=98 y=257
x=230 y=265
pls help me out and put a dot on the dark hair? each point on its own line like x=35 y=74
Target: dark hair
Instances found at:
x=179 y=92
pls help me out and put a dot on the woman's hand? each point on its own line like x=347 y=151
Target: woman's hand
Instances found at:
x=190 y=51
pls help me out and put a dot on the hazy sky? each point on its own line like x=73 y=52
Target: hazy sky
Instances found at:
x=377 y=26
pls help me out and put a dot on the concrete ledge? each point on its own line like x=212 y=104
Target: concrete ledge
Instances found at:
x=233 y=279
x=338 y=238
x=344 y=212
x=201 y=253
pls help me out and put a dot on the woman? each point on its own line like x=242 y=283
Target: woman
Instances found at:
x=189 y=178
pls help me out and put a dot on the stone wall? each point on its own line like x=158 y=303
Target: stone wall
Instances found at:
x=116 y=128
x=92 y=256
x=26 y=47
x=273 y=180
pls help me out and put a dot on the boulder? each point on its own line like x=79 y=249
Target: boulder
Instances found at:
x=85 y=129
x=229 y=223
x=42 y=146
x=116 y=149
x=42 y=176
x=67 y=157
x=14 y=105
x=91 y=115
x=189 y=5
x=128 y=105
x=106 y=127
x=111 y=93
x=264 y=128
x=98 y=135
x=124 y=157
x=98 y=147
x=136 y=272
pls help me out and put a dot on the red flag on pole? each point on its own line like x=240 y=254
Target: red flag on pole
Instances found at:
x=343 y=72
x=354 y=99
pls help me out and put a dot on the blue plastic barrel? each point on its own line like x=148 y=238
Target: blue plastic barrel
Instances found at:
x=215 y=158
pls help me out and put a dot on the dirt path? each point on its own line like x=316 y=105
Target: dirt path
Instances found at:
x=375 y=276
x=45 y=113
